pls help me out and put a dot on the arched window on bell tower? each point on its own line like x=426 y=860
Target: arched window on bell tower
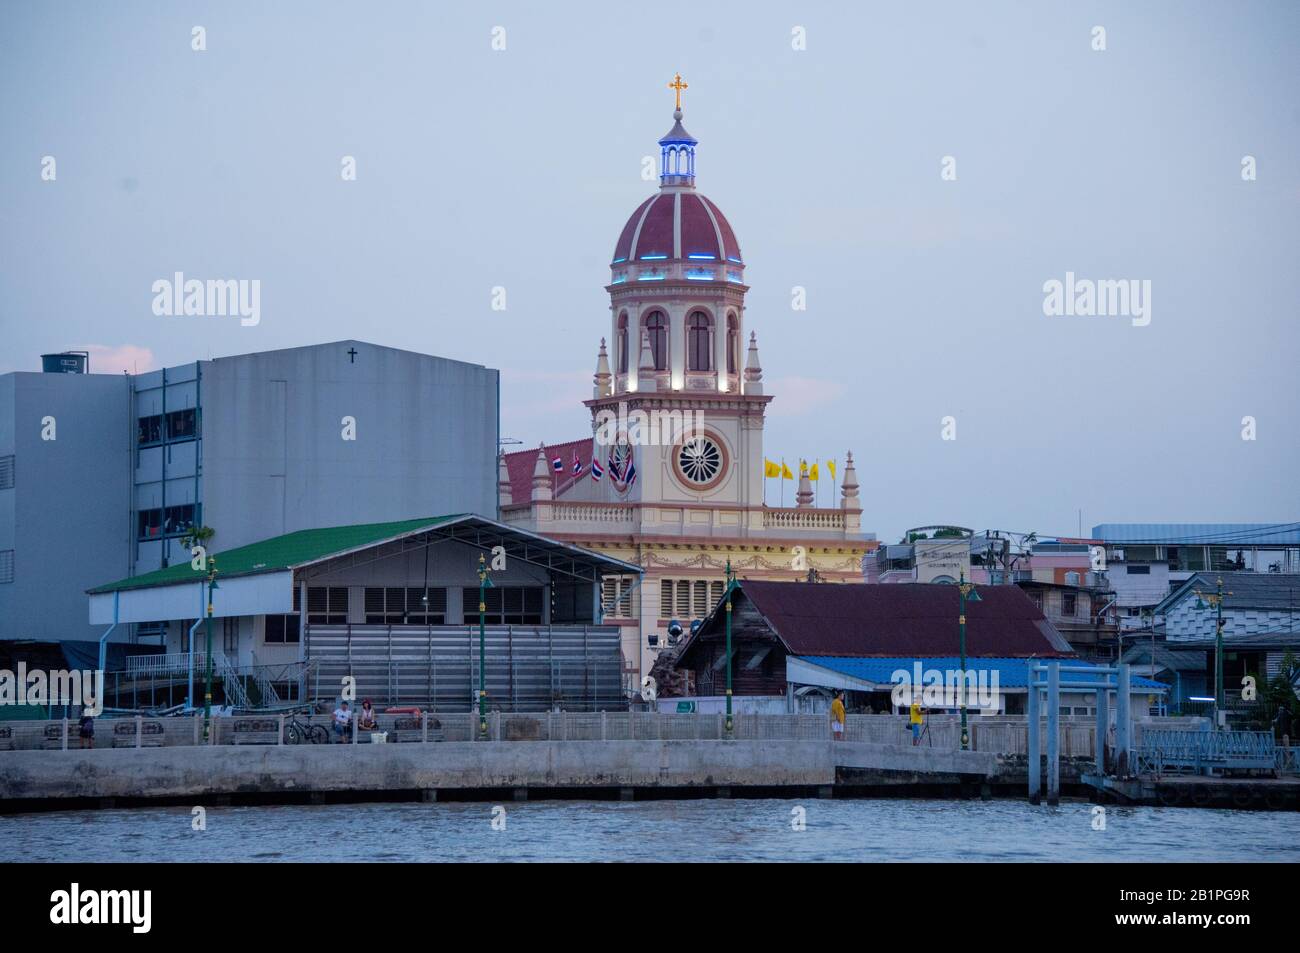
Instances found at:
x=657 y=326
x=620 y=344
x=733 y=343
x=699 y=352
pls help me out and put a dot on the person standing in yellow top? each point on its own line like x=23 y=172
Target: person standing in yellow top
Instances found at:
x=914 y=716
x=837 y=717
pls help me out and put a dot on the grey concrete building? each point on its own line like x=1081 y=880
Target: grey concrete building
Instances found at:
x=252 y=446
x=65 y=497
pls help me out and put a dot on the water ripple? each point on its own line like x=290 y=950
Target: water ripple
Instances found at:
x=704 y=830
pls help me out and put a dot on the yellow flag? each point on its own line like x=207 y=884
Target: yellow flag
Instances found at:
x=770 y=469
x=785 y=472
x=813 y=473
x=830 y=464
x=803 y=467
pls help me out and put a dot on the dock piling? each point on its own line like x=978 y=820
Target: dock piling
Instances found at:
x=1123 y=722
x=1032 y=730
x=1053 y=733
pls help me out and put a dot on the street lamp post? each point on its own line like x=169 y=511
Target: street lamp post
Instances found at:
x=1216 y=599
x=968 y=593
x=483 y=583
x=731 y=581
x=207 y=688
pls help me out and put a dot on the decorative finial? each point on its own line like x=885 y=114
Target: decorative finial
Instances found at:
x=603 y=378
x=753 y=369
x=677 y=86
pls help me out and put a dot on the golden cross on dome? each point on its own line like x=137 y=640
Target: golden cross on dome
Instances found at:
x=677 y=86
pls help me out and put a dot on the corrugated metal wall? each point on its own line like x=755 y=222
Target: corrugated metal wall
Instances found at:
x=529 y=668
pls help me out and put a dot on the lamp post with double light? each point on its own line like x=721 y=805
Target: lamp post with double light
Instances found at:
x=484 y=583
x=968 y=594
x=207 y=687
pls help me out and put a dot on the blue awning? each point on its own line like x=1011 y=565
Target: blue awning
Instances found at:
x=1011 y=672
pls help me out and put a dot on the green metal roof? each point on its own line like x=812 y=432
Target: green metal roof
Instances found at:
x=281 y=552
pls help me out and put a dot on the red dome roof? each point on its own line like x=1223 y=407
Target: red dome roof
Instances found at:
x=676 y=225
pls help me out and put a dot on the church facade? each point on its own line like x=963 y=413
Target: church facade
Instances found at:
x=671 y=476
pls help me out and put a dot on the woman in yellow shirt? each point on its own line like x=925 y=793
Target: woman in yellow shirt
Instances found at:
x=914 y=716
x=837 y=717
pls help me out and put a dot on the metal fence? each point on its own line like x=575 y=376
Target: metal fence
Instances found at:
x=1163 y=751
x=1005 y=735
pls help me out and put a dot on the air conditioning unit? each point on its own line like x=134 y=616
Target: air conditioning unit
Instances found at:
x=1117 y=554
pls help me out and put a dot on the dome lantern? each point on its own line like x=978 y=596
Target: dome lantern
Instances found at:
x=677 y=147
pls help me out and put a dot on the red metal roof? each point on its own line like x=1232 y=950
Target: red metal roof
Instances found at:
x=912 y=620
x=520 y=466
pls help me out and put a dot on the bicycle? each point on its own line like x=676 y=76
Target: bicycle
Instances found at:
x=298 y=732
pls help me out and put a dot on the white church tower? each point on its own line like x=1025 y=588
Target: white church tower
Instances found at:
x=672 y=474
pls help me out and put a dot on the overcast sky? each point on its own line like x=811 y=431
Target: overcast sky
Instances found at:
x=518 y=167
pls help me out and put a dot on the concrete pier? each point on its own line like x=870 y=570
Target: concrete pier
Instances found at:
x=722 y=768
x=315 y=769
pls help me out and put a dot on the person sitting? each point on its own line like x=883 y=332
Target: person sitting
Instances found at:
x=342 y=720
x=366 y=717
x=86 y=729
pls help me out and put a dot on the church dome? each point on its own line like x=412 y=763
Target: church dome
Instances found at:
x=677 y=224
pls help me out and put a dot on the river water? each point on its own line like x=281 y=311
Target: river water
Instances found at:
x=692 y=830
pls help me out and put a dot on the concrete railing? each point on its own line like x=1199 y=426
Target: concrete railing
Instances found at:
x=790 y=518
x=1002 y=735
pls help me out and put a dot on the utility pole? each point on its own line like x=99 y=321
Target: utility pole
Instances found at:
x=1216 y=599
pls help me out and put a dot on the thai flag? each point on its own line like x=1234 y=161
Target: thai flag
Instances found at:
x=613 y=467
x=577 y=464
x=558 y=463
x=596 y=471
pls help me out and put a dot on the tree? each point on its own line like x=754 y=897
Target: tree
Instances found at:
x=197 y=536
x=1280 y=691
x=1282 y=687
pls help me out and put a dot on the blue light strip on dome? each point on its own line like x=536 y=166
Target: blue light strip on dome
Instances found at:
x=703 y=257
x=736 y=260
x=617 y=260
x=653 y=257
x=651 y=277
x=700 y=274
